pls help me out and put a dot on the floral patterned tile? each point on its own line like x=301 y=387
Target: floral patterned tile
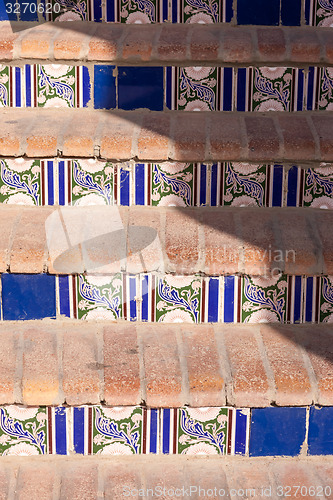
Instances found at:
x=179 y=299
x=172 y=184
x=100 y=297
x=20 y=181
x=245 y=184
x=92 y=182
x=23 y=431
x=264 y=299
x=60 y=85
x=272 y=89
x=326 y=299
x=71 y=10
x=318 y=188
x=321 y=13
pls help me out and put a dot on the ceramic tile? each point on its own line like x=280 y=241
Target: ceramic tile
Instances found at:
x=125 y=11
x=91 y=182
x=318 y=188
x=100 y=297
x=277 y=431
x=197 y=88
x=21 y=181
x=204 y=12
x=180 y=298
x=311 y=305
x=264 y=299
x=59 y=85
x=105 y=87
x=272 y=89
x=324 y=90
x=291 y=12
x=321 y=13
x=69 y=10
x=28 y=296
x=258 y=12
x=326 y=299
x=172 y=184
x=244 y=184
x=23 y=431
x=140 y=87
x=320 y=431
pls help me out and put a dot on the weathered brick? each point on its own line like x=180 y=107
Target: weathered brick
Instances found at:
x=138 y=43
x=297 y=136
x=36 y=482
x=262 y=136
x=204 y=45
x=104 y=46
x=80 y=137
x=120 y=479
x=271 y=44
x=8 y=225
x=188 y=134
x=323 y=221
x=117 y=135
x=80 y=481
x=304 y=46
x=172 y=42
x=153 y=142
x=226 y=140
x=237 y=45
x=323 y=128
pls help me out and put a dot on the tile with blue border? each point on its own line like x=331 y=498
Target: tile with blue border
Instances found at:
x=320 y=431
x=140 y=87
x=28 y=296
x=277 y=431
x=105 y=96
x=262 y=12
x=291 y=12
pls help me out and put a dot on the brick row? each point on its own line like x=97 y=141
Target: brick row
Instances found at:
x=208 y=240
x=119 y=364
x=180 y=44
x=304 y=138
x=46 y=478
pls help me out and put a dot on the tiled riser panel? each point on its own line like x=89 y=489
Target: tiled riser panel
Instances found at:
x=90 y=182
x=192 y=431
x=274 y=12
x=170 y=299
x=158 y=88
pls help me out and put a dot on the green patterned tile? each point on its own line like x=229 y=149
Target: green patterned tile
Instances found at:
x=4 y=85
x=324 y=13
x=179 y=299
x=264 y=300
x=326 y=300
x=100 y=297
x=23 y=431
x=56 y=86
x=325 y=94
x=271 y=89
x=117 y=431
x=20 y=182
x=197 y=88
x=202 y=431
x=92 y=182
x=68 y=10
x=172 y=184
x=318 y=188
x=244 y=184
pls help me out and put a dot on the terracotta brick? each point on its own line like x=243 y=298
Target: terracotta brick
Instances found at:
x=248 y=478
x=327 y=44
x=138 y=43
x=81 y=367
x=237 y=45
x=9 y=217
x=319 y=349
x=153 y=142
x=38 y=42
x=199 y=474
x=182 y=240
x=173 y=479
x=44 y=134
x=8 y=359
x=40 y=384
x=300 y=245
x=225 y=137
x=5 y=474
x=271 y=44
x=259 y=243
x=206 y=383
x=222 y=245
x=120 y=479
x=323 y=220
x=104 y=46
x=14 y=125
x=7 y=40
x=292 y=382
x=29 y=247
x=249 y=379
x=145 y=251
x=71 y=43
x=263 y=141
x=172 y=42
x=297 y=136
x=121 y=373
x=80 y=481
x=36 y=482
x=117 y=135
x=304 y=46
x=80 y=137
x=204 y=44
x=296 y=474
x=162 y=366
x=189 y=136
x=323 y=128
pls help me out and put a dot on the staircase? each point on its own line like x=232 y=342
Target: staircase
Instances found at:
x=166 y=258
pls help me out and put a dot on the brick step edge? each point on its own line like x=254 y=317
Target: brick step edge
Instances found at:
x=208 y=136
x=122 y=364
x=186 y=241
x=162 y=44
x=114 y=478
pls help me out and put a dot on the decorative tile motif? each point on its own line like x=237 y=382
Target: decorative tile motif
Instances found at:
x=272 y=89
x=70 y=10
x=137 y=12
x=245 y=184
x=178 y=299
x=91 y=182
x=23 y=431
x=318 y=188
x=321 y=13
x=172 y=184
x=197 y=88
x=62 y=86
x=100 y=297
x=326 y=299
x=20 y=181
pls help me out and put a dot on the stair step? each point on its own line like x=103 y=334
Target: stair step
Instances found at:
x=164 y=44
x=206 y=240
x=196 y=477
x=50 y=363
x=176 y=135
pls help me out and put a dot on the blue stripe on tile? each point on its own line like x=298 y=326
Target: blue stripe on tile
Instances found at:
x=97 y=10
x=309 y=300
x=168 y=87
x=277 y=186
x=229 y=298
x=78 y=430
x=203 y=187
x=291 y=12
x=166 y=431
x=300 y=90
x=213 y=300
x=213 y=187
x=18 y=87
x=61 y=168
x=174 y=11
x=144 y=306
x=241 y=89
x=86 y=86
x=165 y=10
x=298 y=299
x=321 y=431
x=27 y=68
x=110 y=17
x=132 y=293
x=50 y=183
x=292 y=187
x=28 y=10
x=60 y=431
x=140 y=184
x=153 y=431
x=307 y=11
x=124 y=187
x=64 y=296
x=240 y=432
x=227 y=88
x=228 y=10
x=310 y=89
